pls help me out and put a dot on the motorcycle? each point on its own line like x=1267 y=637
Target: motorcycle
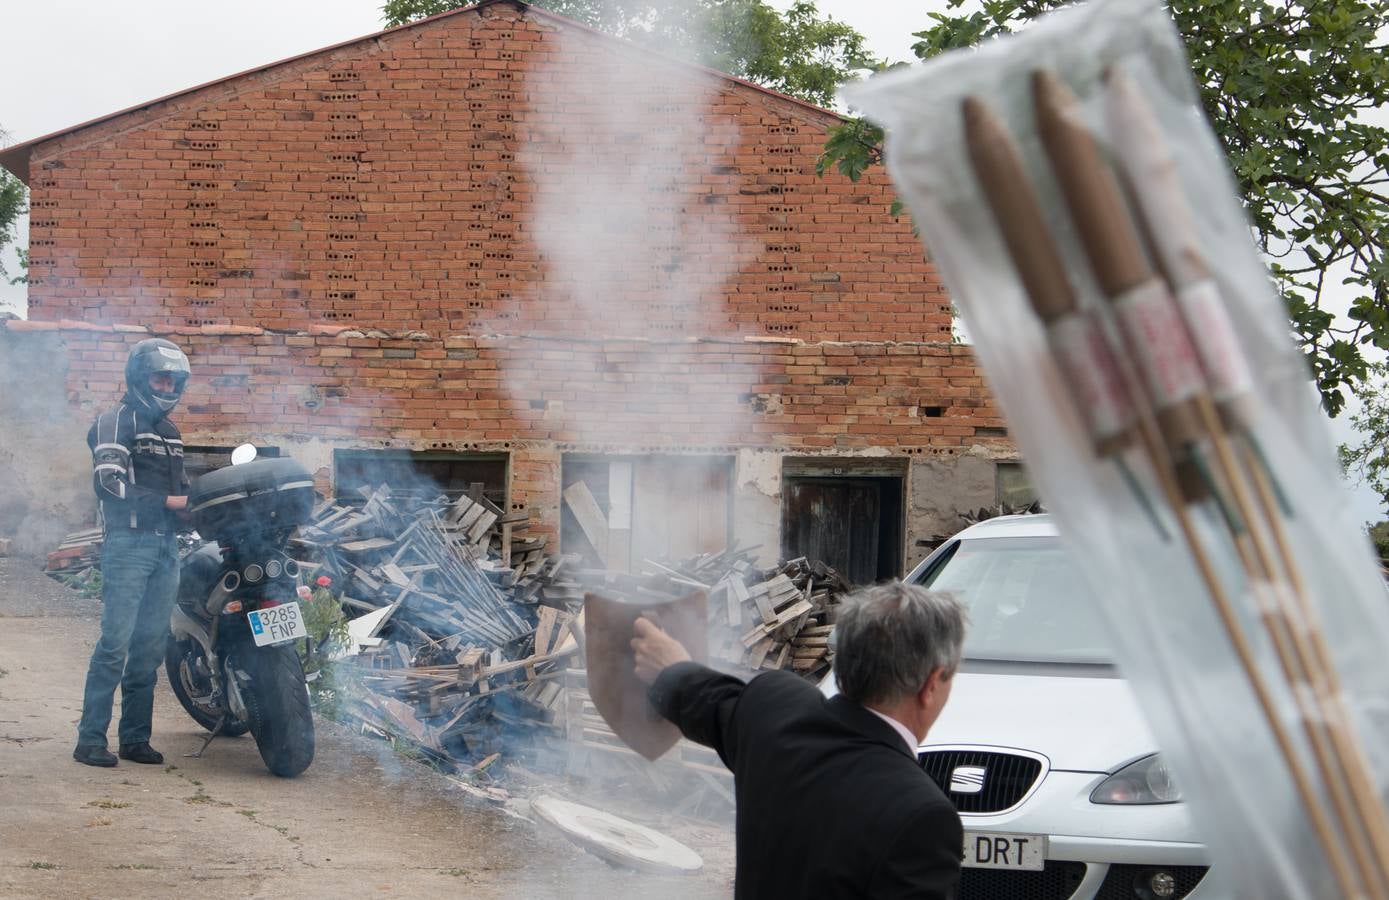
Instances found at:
x=232 y=658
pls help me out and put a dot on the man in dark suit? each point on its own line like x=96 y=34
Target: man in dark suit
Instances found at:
x=831 y=799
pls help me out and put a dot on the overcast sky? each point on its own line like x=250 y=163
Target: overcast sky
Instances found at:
x=67 y=61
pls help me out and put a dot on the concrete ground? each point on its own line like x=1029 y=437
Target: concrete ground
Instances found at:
x=360 y=822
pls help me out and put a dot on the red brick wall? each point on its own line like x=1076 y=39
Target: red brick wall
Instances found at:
x=536 y=398
x=425 y=390
x=387 y=184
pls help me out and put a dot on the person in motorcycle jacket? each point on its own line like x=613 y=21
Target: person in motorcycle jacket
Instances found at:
x=137 y=470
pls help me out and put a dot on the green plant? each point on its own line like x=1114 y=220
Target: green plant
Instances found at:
x=87 y=583
x=325 y=623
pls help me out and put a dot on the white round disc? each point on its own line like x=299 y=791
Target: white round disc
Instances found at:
x=617 y=840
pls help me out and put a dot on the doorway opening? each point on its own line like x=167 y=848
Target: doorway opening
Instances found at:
x=848 y=514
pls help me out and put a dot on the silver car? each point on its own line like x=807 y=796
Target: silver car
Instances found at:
x=1042 y=747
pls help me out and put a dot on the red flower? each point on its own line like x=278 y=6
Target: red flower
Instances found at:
x=323 y=581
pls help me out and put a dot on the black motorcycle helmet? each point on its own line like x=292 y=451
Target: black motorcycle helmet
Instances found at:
x=151 y=357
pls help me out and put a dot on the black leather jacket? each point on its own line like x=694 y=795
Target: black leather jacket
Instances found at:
x=137 y=462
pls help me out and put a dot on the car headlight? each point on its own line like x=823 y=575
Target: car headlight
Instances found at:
x=1147 y=780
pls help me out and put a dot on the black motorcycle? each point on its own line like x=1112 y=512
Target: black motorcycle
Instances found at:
x=233 y=658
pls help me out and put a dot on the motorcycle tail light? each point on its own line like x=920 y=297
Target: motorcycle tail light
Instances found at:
x=269 y=602
x=233 y=606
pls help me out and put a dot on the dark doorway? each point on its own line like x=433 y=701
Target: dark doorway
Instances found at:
x=422 y=474
x=853 y=524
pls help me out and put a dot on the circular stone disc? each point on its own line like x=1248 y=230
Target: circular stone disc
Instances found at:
x=617 y=840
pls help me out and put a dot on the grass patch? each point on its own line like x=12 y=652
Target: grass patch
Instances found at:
x=97 y=823
x=43 y=865
x=170 y=768
x=248 y=813
x=203 y=796
x=108 y=803
x=135 y=867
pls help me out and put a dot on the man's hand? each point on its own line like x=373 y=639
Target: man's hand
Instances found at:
x=655 y=650
x=176 y=503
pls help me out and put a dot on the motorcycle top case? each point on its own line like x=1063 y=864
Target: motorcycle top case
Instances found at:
x=253 y=497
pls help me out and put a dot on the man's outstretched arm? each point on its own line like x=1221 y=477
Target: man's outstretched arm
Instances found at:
x=698 y=700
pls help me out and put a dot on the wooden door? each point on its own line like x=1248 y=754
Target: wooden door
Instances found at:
x=834 y=520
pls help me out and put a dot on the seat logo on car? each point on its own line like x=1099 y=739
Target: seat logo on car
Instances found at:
x=967 y=779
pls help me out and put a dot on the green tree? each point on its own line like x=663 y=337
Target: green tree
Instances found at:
x=797 y=52
x=13 y=197
x=1284 y=85
x=1368 y=459
x=1379 y=534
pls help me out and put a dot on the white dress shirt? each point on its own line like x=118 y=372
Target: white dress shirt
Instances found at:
x=899 y=727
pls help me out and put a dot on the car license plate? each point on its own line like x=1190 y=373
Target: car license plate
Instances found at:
x=997 y=850
x=277 y=624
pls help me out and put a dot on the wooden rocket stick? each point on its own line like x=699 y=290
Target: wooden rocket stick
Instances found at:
x=1145 y=161
x=1172 y=380
x=1081 y=350
x=998 y=168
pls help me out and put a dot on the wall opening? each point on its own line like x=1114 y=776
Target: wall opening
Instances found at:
x=427 y=473
x=1014 y=488
x=846 y=513
x=618 y=511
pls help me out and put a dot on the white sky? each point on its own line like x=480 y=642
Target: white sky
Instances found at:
x=73 y=60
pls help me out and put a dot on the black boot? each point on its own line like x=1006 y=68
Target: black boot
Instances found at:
x=142 y=753
x=92 y=755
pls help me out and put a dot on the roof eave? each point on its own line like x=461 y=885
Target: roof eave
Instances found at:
x=16 y=158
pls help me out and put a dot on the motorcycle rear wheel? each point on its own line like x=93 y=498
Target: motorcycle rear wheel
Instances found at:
x=177 y=652
x=277 y=707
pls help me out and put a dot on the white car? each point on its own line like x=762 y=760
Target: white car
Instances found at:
x=1042 y=747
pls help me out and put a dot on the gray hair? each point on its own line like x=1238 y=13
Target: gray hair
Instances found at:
x=889 y=638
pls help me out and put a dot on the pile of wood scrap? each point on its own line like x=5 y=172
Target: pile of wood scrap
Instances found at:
x=429 y=565
x=774 y=618
x=466 y=624
x=77 y=554
x=474 y=706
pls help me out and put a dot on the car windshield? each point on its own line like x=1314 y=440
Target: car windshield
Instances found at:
x=1026 y=601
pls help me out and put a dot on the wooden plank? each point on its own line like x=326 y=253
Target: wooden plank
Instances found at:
x=791 y=613
x=480 y=528
x=543 y=630
x=764 y=607
x=366 y=545
x=590 y=518
x=395 y=575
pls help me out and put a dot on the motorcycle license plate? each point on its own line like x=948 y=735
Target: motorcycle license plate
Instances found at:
x=277 y=624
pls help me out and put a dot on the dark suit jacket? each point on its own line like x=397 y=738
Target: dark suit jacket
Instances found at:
x=831 y=803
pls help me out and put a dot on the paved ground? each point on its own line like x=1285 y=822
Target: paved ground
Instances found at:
x=360 y=822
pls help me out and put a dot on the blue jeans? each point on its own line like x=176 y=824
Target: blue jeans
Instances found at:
x=139 y=584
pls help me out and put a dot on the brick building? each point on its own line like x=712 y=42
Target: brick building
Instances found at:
x=495 y=246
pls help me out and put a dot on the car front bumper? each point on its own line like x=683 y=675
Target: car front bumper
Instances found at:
x=1115 y=844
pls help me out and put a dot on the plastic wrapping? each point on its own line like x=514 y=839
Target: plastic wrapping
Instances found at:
x=1144 y=362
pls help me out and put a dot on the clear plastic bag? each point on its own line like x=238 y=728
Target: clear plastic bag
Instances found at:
x=1143 y=360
